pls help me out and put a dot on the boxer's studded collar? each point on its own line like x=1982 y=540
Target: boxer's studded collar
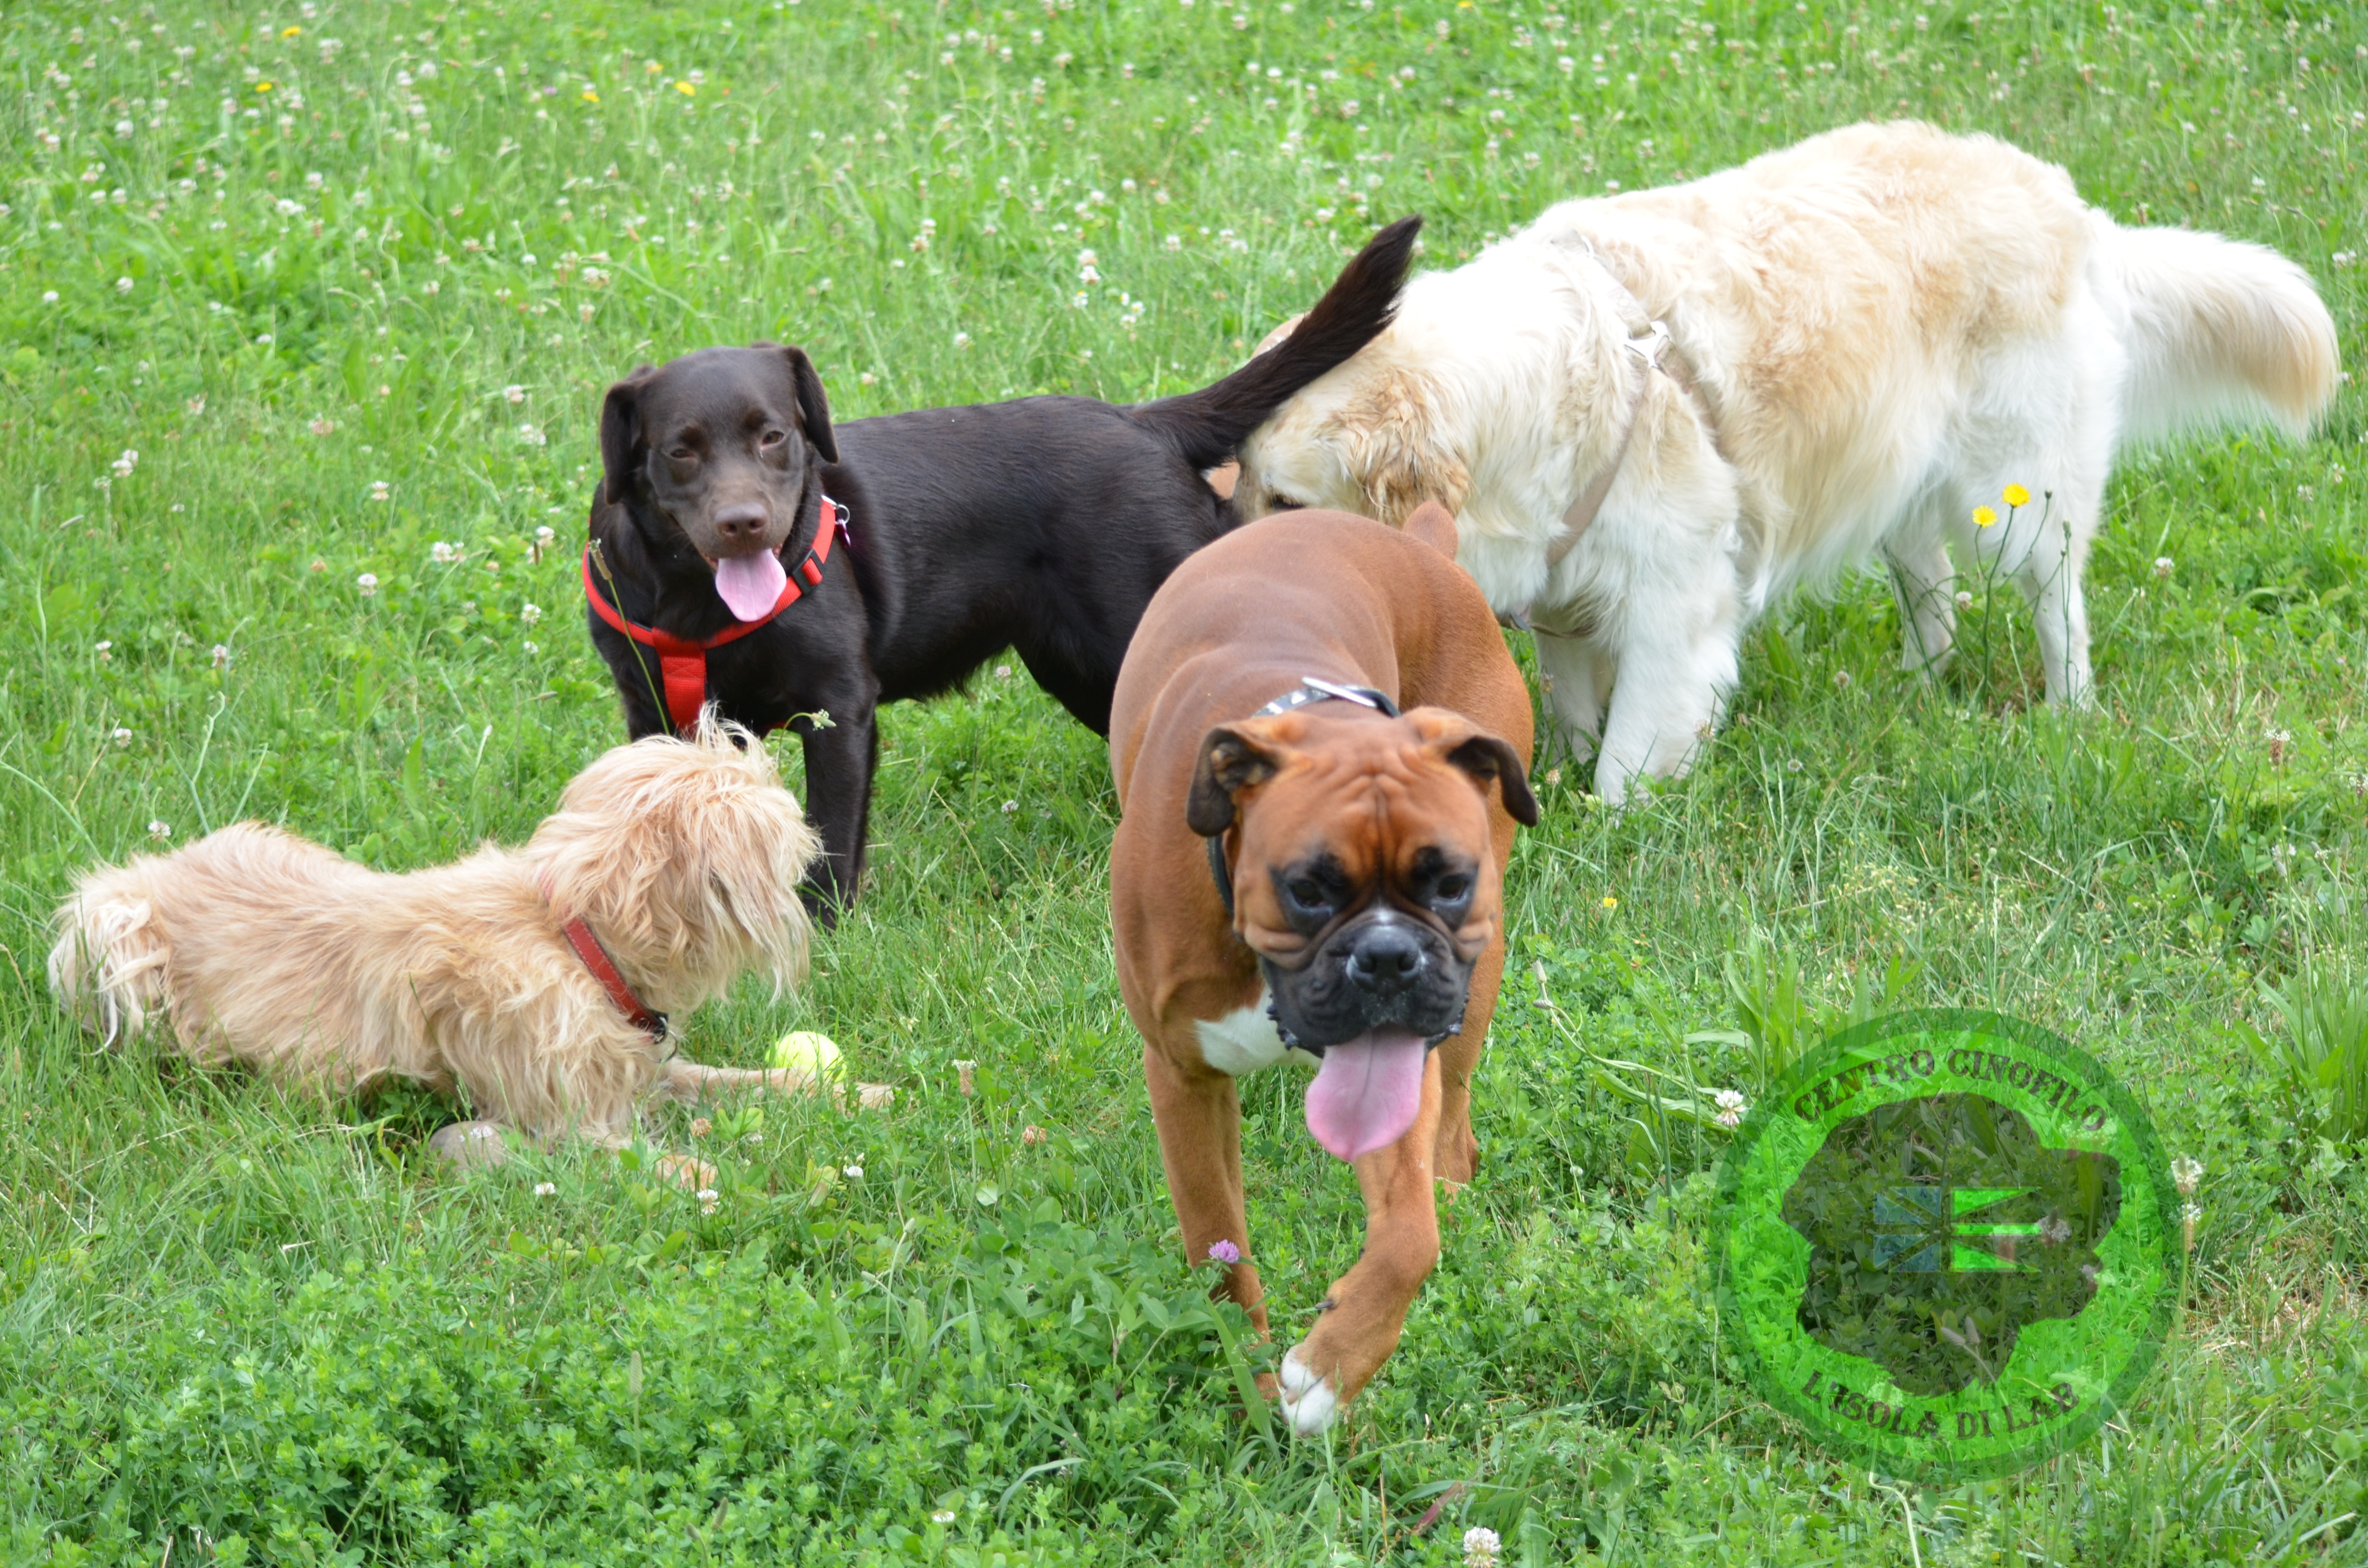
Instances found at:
x=1309 y=690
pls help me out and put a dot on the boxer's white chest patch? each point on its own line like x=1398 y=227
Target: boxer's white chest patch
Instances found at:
x=1245 y=1040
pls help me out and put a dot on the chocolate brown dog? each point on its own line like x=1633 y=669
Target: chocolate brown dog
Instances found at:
x=1302 y=868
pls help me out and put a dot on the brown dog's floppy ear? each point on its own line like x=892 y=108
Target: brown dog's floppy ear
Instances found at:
x=620 y=435
x=1231 y=761
x=1435 y=526
x=813 y=408
x=1485 y=756
x=1458 y=742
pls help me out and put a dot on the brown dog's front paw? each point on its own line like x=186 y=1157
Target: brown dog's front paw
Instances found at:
x=471 y=1145
x=1310 y=1401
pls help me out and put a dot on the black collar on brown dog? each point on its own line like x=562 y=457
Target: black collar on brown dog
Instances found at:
x=1309 y=690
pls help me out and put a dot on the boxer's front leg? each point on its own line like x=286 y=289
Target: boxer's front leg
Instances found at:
x=1366 y=1307
x=1199 y=1121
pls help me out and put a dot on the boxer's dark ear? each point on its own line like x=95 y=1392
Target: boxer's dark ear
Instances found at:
x=1486 y=758
x=1230 y=762
x=621 y=443
x=813 y=408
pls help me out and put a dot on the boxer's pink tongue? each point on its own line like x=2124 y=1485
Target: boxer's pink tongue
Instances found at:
x=1367 y=1092
x=750 y=584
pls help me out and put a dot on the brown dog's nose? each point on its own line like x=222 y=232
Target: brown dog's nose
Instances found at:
x=1386 y=958
x=741 y=520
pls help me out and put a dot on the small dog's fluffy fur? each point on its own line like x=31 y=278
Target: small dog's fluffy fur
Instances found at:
x=266 y=950
x=1887 y=325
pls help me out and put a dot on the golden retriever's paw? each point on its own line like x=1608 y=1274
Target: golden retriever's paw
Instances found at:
x=1309 y=1401
x=692 y=1176
x=471 y=1145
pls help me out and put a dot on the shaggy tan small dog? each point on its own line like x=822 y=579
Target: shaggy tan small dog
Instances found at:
x=681 y=858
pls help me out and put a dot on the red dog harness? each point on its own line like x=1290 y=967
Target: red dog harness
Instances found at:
x=682 y=664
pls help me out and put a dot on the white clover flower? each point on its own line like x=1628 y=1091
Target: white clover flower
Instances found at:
x=966 y=1071
x=852 y=1173
x=515 y=393
x=367 y=582
x=1173 y=242
x=530 y=614
x=322 y=424
x=1010 y=808
x=545 y=537
x=125 y=463
x=49 y=296
x=1080 y=300
x=531 y=437
x=121 y=736
x=105 y=649
x=1481 y=1544
x=709 y=1198
x=287 y=208
x=962 y=340
x=123 y=284
x=1731 y=1106
x=443 y=554
x=942 y=1516
x=2185 y=1171
x=379 y=491
x=1965 y=599
x=222 y=656
x=160 y=830
x=2162 y=566
x=546 y=1190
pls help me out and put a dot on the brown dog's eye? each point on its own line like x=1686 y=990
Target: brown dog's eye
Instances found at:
x=1307 y=893
x=772 y=437
x=682 y=455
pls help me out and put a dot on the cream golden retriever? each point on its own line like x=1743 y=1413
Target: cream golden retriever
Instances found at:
x=680 y=859
x=1657 y=412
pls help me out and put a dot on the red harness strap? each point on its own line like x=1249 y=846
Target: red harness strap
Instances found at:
x=682 y=664
x=596 y=958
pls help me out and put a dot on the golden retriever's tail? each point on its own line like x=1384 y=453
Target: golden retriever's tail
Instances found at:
x=2218 y=333
x=107 y=968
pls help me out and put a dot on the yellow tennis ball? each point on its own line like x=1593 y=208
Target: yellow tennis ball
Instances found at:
x=803 y=1050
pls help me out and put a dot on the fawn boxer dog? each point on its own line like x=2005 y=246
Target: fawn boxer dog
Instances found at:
x=1321 y=747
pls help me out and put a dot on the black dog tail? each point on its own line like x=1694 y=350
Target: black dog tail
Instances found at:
x=1208 y=424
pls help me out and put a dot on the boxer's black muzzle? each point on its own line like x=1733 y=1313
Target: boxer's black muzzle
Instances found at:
x=1381 y=968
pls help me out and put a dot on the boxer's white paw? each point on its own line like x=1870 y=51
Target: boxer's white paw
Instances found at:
x=1308 y=1398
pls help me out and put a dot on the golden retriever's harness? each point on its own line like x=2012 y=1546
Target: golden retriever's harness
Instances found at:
x=1649 y=340
x=682 y=663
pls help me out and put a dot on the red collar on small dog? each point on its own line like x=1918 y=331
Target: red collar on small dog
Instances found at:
x=596 y=958
x=682 y=663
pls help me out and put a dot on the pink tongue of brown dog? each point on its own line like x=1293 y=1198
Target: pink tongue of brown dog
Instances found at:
x=1367 y=1092
x=750 y=584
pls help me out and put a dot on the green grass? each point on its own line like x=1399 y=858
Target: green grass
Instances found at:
x=235 y=1328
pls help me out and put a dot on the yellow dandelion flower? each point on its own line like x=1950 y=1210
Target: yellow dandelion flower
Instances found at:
x=1609 y=902
x=2016 y=495
x=590 y=97
x=687 y=89
x=289 y=32
x=1984 y=515
x=263 y=87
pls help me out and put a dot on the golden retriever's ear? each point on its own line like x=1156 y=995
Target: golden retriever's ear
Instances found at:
x=1396 y=451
